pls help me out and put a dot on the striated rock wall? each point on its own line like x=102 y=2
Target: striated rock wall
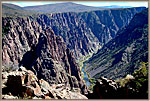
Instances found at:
x=40 y=50
x=123 y=54
x=86 y=32
x=106 y=23
x=73 y=29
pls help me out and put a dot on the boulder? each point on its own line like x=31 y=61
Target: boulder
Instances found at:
x=23 y=82
x=46 y=88
x=104 y=88
x=26 y=85
x=60 y=91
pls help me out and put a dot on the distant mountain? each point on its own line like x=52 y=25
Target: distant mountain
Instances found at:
x=116 y=6
x=62 y=7
x=123 y=54
x=12 y=6
x=14 y=10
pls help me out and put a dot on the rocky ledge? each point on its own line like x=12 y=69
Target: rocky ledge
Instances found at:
x=23 y=84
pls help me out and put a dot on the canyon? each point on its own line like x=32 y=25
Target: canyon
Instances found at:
x=55 y=45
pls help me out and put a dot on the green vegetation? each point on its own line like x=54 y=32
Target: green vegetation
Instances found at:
x=85 y=58
x=82 y=60
x=143 y=71
x=82 y=74
x=129 y=51
x=132 y=86
x=25 y=97
x=138 y=82
x=92 y=83
x=88 y=75
x=141 y=77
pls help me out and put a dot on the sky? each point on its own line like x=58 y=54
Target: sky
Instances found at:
x=96 y=4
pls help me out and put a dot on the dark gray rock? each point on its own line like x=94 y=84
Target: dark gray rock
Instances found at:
x=86 y=32
x=123 y=54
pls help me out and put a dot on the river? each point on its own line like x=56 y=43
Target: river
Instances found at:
x=85 y=77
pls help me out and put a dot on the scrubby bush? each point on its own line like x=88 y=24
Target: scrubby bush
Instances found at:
x=137 y=86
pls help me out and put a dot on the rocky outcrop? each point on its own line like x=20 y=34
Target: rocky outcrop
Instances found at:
x=40 y=50
x=23 y=84
x=124 y=53
x=104 y=89
x=130 y=87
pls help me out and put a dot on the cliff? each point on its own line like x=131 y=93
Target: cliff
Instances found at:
x=83 y=32
x=86 y=32
x=123 y=54
x=40 y=50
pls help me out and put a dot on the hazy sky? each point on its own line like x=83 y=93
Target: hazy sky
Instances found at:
x=133 y=4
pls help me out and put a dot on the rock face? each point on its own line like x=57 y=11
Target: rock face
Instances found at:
x=124 y=53
x=86 y=32
x=27 y=44
x=105 y=23
x=24 y=84
x=73 y=29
